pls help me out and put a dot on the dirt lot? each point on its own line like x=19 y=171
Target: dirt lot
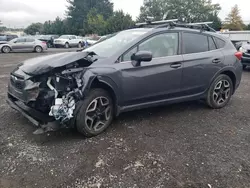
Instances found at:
x=185 y=145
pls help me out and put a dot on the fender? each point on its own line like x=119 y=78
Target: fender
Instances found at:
x=89 y=77
x=230 y=69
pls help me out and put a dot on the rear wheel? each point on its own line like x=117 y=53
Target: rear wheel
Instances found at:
x=244 y=67
x=6 y=49
x=96 y=113
x=220 y=92
x=38 y=49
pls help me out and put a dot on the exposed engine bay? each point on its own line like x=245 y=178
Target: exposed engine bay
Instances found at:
x=54 y=92
x=61 y=91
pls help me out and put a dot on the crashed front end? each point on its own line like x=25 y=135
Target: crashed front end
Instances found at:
x=50 y=96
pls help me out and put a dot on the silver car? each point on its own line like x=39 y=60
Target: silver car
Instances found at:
x=24 y=44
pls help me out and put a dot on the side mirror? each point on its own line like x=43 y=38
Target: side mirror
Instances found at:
x=140 y=56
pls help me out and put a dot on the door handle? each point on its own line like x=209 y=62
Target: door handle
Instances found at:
x=175 y=65
x=216 y=61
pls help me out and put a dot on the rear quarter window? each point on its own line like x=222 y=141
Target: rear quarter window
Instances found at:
x=219 y=42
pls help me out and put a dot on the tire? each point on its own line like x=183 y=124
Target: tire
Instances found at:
x=6 y=49
x=79 y=45
x=244 y=67
x=38 y=49
x=89 y=119
x=222 y=87
x=66 y=45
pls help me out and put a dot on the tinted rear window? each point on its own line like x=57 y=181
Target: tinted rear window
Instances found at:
x=220 y=43
x=195 y=43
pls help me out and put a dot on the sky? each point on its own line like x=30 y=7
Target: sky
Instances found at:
x=20 y=13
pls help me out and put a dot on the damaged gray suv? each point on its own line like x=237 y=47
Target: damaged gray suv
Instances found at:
x=137 y=68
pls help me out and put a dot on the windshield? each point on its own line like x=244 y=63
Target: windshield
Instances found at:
x=112 y=45
x=64 y=37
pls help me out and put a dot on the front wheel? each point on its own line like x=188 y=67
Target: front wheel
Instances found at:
x=220 y=92
x=96 y=113
x=66 y=45
x=6 y=49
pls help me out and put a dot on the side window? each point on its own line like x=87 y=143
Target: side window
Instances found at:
x=161 y=45
x=220 y=43
x=212 y=45
x=30 y=40
x=195 y=43
x=20 y=40
x=127 y=56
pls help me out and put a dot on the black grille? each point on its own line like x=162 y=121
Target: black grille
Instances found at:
x=17 y=82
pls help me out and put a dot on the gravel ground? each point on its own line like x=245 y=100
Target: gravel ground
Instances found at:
x=179 y=146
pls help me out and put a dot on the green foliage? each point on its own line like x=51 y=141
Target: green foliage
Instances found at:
x=234 y=20
x=184 y=10
x=119 y=21
x=96 y=23
x=34 y=28
x=78 y=11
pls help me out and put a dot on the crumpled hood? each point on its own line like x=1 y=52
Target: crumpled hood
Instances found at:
x=43 y=64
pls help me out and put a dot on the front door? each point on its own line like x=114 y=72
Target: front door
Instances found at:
x=19 y=44
x=156 y=80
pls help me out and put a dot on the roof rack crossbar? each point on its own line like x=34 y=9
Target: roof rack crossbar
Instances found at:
x=202 y=26
x=156 y=22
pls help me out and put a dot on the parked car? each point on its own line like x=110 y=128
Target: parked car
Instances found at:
x=23 y=44
x=245 y=49
x=135 y=69
x=49 y=39
x=3 y=39
x=64 y=41
x=77 y=42
x=7 y=37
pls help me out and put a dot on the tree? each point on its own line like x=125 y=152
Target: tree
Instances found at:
x=234 y=20
x=119 y=21
x=96 y=23
x=186 y=11
x=247 y=27
x=217 y=24
x=78 y=12
x=34 y=28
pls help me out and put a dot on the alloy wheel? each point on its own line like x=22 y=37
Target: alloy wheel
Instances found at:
x=98 y=114
x=6 y=49
x=221 y=92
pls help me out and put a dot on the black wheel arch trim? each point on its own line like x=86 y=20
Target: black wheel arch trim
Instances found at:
x=221 y=71
x=89 y=79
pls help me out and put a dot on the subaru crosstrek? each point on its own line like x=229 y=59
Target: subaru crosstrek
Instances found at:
x=134 y=69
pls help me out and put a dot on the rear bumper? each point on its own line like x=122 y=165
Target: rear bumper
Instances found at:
x=35 y=117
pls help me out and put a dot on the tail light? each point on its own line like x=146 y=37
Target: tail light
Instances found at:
x=238 y=55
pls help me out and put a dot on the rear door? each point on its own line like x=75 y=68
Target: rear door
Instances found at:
x=156 y=80
x=201 y=61
x=29 y=44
